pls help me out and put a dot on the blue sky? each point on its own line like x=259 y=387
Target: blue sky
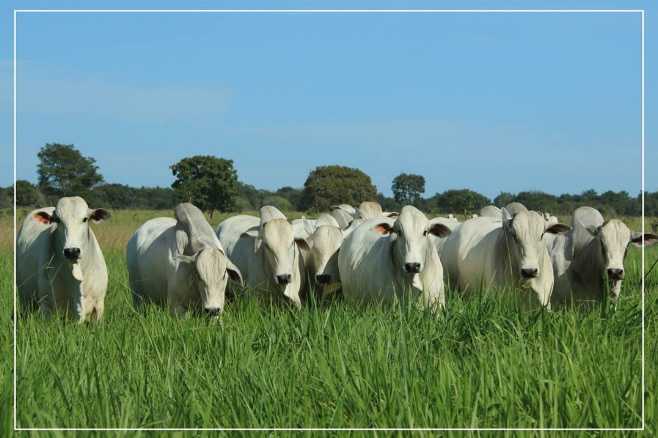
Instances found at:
x=491 y=102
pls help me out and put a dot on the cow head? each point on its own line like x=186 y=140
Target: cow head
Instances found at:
x=523 y=235
x=325 y=244
x=614 y=237
x=411 y=232
x=71 y=220
x=211 y=271
x=280 y=253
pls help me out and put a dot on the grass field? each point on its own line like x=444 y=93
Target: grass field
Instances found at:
x=479 y=364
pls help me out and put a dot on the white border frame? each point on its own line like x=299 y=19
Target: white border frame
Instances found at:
x=336 y=11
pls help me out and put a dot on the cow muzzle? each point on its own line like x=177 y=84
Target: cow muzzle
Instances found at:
x=284 y=279
x=529 y=273
x=412 y=268
x=72 y=253
x=615 y=274
x=212 y=312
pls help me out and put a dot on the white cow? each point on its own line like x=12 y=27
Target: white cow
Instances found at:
x=491 y=211
x=322 y=259
x=452 y=223
x=179 y=261
x=343 y=218
x=266 y=252
x=303 y=228
x=358 y=221
x=515 y=207
x=588 y=261
x=368 y=210
x=384 y=258
x=346 y=208
x=508 y=253
x=550 y=219
x=59 y=264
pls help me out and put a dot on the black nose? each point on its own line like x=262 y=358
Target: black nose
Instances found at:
x=283 y=279
x=412 y=268
x=528 y=273
x=72 y=253
x=616 y=274
x=323 y=279
x=212 y=311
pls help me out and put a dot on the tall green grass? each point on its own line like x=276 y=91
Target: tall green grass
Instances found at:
x=480 y=363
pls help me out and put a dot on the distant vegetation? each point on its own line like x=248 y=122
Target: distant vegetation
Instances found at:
x=63 y=171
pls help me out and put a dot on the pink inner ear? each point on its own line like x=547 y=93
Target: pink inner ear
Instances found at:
x=381 y=229
x=41 y=218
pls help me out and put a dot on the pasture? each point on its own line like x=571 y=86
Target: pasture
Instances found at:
x=481 y=363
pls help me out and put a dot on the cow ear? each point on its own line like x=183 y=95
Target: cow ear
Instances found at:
x=234 y=273
x=557 y=228
x=439 y=230
x=646 y=239
x=383 y=228
x=253 y=233
x=393 y=214
x=302 y=244
x=506 y=216
x=99 y=215
x=43 y=217
x=592 y=230
x=185 y=258
x=308 y=226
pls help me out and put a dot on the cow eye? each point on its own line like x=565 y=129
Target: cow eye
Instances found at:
x=425 y=233
x=85 y=220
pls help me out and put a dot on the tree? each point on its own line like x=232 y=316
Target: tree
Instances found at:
x=279 y=202
x=26 y=194
x=407 y=188
x=389 y=204
x=208 y=182
x=503 y=199
x=63 y=171
x=6 y=198
x=330 y=185
x=292 y=195
x=536 y=200
x=458 y=201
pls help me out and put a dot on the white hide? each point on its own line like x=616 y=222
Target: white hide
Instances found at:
x=491 y=211
x=181 y=262
x=266 y=252
x=368 y=210
x=49 y=278
x=384 y=258
x=322 y=259
x=588 y=261
x=509 y=253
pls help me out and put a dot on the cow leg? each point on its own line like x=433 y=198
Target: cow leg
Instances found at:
x=177 y=306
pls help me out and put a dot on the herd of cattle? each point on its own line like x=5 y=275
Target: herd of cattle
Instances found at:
x=369 y=254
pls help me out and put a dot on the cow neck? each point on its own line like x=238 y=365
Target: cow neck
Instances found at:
x=84 y=262
x=503 y=246
x=589 y=260
x=404 y=280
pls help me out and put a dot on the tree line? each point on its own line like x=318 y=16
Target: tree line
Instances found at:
x=212 y=184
